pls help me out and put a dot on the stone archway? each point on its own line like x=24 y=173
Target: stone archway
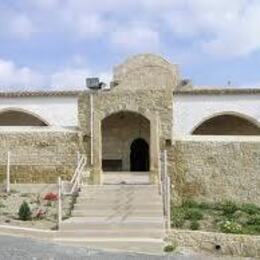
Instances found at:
x=99 y=118
x=124 y=136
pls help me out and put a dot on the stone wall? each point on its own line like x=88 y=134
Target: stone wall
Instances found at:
x=152 y=101
x=39 y=157
x=146 y=71
x=215 y=169
x=218 y=243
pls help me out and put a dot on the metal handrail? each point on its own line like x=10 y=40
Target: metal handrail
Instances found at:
x=166 y=190
x=75 y=181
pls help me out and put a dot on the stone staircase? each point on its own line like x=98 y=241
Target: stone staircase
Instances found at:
x=116 y=217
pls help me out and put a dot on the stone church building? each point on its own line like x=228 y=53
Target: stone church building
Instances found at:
x=211 y=136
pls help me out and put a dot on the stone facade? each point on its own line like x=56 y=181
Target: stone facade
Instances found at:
x=218 y=243
x=147 y=100
x=39 y=157
x=212 y=169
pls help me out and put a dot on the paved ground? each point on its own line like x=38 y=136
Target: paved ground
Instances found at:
x=23 y=248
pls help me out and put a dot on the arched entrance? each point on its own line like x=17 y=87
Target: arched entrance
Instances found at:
x=139 y=156
x=125 y=142
x=14 y=117
x=227 y=124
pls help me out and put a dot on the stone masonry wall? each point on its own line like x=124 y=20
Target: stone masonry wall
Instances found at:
x=154 y=101
x=215 y=170
x=39 y=157
x=217 y=243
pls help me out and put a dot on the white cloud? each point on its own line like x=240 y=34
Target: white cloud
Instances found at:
x=13 y=77
x=15 y=25
x=225 y=28
x=136 y=38
x=21 y=26
x=90 y=26
x=70 y=78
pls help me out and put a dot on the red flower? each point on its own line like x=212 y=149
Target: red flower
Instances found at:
x=51 y=196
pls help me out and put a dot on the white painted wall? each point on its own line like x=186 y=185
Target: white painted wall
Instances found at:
x=191 y=110
x=57 y=111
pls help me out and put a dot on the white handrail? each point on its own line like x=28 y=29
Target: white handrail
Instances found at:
x=166 y=190
x=77 y=177
x=80 y=161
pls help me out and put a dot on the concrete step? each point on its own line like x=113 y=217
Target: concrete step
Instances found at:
x=118 y=186
x=147 y=246
x=108 y=213
x=91 y=225
x=108 y=190
x=123 y=191
x=83 y=206
x=115 y=220
x=108 y=233
x=118 y=202
x=116 y=217
x=121 y=199
x=108 y=180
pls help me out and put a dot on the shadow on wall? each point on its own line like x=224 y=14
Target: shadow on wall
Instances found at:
x=227 y=125
x=20 y=118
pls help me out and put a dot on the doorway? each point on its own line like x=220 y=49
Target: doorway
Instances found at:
x=139 y=156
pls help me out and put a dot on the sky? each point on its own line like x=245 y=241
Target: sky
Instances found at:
x=57 y=44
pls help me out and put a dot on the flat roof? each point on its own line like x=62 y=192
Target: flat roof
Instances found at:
x=217 y=91
x=41 y=93
x=193 y=91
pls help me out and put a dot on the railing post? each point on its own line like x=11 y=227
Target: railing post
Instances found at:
x=168 y=203
x=78 y=157
x=8 y=172
x=167 y=192
x=59 y=202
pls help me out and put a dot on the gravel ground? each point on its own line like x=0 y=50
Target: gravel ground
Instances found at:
x=10 y=203
x=18 y=248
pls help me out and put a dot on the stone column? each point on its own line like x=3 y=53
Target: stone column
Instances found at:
x=97 y=151
x=154 y=150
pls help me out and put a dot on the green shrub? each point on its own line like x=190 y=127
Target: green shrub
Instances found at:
x=193 y=214
x=194 y=225
x=254 y=220
x=230 y=227
x=170 y=248
x=190 y=204
x=178 y=217
x=250 y=208
x=205 y=205
x=24 y=211
x=229 y=208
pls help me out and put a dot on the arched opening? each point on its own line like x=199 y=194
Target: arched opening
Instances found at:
x=124 y=136
x=227 y=125
x=20 y=118
x=139 y=156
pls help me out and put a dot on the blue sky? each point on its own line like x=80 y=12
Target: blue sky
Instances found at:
x=56 y=44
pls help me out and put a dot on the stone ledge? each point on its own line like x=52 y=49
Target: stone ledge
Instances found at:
x=217 y=91
x=219 y=243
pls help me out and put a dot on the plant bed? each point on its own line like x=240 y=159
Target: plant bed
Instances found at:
x=31 y=209
x=226 y=217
